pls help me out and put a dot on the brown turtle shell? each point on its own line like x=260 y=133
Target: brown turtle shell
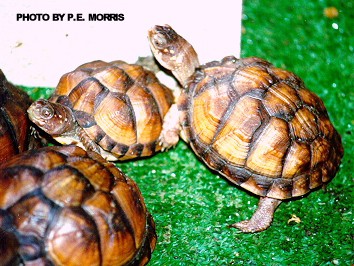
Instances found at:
x=8 y=248
x=69 y=207
x=120 y=106
x=260 y=127
x=14 y=124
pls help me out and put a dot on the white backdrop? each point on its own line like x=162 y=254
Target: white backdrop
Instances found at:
x=37 y=53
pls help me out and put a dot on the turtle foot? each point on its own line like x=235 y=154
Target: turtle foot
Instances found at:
x=261 y=219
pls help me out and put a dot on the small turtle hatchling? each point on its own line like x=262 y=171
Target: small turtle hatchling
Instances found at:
x=255 y=124
x=116 y=109
x=15 y=132
x=66 y=206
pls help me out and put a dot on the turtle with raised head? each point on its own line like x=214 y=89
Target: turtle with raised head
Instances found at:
x=253 y=123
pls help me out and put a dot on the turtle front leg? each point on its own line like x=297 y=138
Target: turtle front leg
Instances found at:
x=262 y=218
x=169 y=135
x=87 y=143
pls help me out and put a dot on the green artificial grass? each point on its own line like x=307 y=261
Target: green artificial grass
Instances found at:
x=193 y=207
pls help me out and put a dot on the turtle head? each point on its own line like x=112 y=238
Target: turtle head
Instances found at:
x=173 y=52
x=53 y=118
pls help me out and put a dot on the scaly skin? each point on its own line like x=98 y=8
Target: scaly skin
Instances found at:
x=53 y=118
x=173 y=52
x=262 y=218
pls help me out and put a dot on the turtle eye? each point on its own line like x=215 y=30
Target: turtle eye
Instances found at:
x=160 y=41
x=47 y=112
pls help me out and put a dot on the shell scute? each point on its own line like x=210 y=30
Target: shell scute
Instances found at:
x=118 y=123
x=268 y=151
x=73 y=227
x=148 y=121
x=288 y=77
x=23 y=211
x=17 y=182
x=209 y=109
x=281 y=188
x=162 y=93
x=311 y=99
x=126 y=195
x=242 y=173
x=71 y=80
x=71 y=190
x=97 y=174
x=84 y=95
x=257 y=184
x=114 y=79
x=325 y=127
x=233 y=142
x=115 y=234
x=110 y=145
x=301 y=185
x=42 y=161
x=297 y=161
x=304 y=125
x=249 y=78
x=320 y=152
x=282 y=101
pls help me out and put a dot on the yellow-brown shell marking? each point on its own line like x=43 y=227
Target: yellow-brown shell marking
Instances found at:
x=261 y=128
x=120 y=106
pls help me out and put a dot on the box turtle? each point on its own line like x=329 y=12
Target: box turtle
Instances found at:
x=15 y=129
x=255 y=124
x=66 y=206
x=116 y=109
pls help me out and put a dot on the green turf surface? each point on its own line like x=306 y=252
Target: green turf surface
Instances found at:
x=192 y=206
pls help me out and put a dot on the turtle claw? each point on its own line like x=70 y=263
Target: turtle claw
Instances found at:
x=248 y=226
x=168 y=140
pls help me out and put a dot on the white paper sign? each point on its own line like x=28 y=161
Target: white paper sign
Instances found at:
x=43 y=39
